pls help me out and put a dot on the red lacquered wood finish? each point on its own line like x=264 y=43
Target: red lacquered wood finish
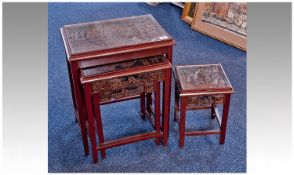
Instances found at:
x=157 y=110
x=201 y=87
x=79 y=105
x=89 y=106
x=109 y=41
x=127 y=79
x=182 y=124
x=99 y=123
x=142 y=106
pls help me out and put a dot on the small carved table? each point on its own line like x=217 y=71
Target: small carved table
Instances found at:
x=118 y=82
x=201 y=87
x=109 y=41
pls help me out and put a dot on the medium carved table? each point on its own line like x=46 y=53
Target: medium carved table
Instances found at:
x=109 y=41
x=201 y=87
x=121 y=81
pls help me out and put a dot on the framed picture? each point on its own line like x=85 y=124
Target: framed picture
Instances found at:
x=188 y=12
x=226 y=22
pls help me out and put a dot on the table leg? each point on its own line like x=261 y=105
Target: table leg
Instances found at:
x=182 y=121
x=169 y=55
x=149 y=102
x=89 y=107
x=225 y=118
x=157 y=110
x=72 y=88
x=177 y=98
x=79 y=104
x=213 y=115
x=99 y=123
x=143 y=106
x=166 y=97
x=166 y=105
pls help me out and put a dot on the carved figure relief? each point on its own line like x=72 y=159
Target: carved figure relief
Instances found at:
x=124 y=65
x=203 y=77
x=204 y=100
x=120 y=87
x=107 y=34
x=231 y=16
x=123 y=86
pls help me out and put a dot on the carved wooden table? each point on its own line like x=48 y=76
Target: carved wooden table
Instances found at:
x=201 y=87
x=117 y=82
x=109 y=41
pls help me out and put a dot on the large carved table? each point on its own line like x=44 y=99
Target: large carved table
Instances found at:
x=109 y=41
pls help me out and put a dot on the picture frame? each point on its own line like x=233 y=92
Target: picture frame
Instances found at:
x=189 y=11
x=208 y=20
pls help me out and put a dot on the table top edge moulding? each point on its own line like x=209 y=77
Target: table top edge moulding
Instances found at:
x=204 y=79
x=114 y=36
x=89 y=77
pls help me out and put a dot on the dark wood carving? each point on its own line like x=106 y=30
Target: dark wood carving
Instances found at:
x=137 y=63
x=124 y=86
x=204 y=100
x=120 y=87
x=109 y=34
x=203 y=77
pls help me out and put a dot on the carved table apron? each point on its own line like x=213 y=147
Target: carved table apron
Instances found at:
x=109 y=41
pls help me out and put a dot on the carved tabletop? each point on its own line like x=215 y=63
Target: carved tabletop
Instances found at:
x=109 y=34
x=125 y=65
x=199 y=78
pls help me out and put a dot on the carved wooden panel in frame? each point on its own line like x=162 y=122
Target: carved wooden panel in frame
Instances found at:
x=226 y=22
